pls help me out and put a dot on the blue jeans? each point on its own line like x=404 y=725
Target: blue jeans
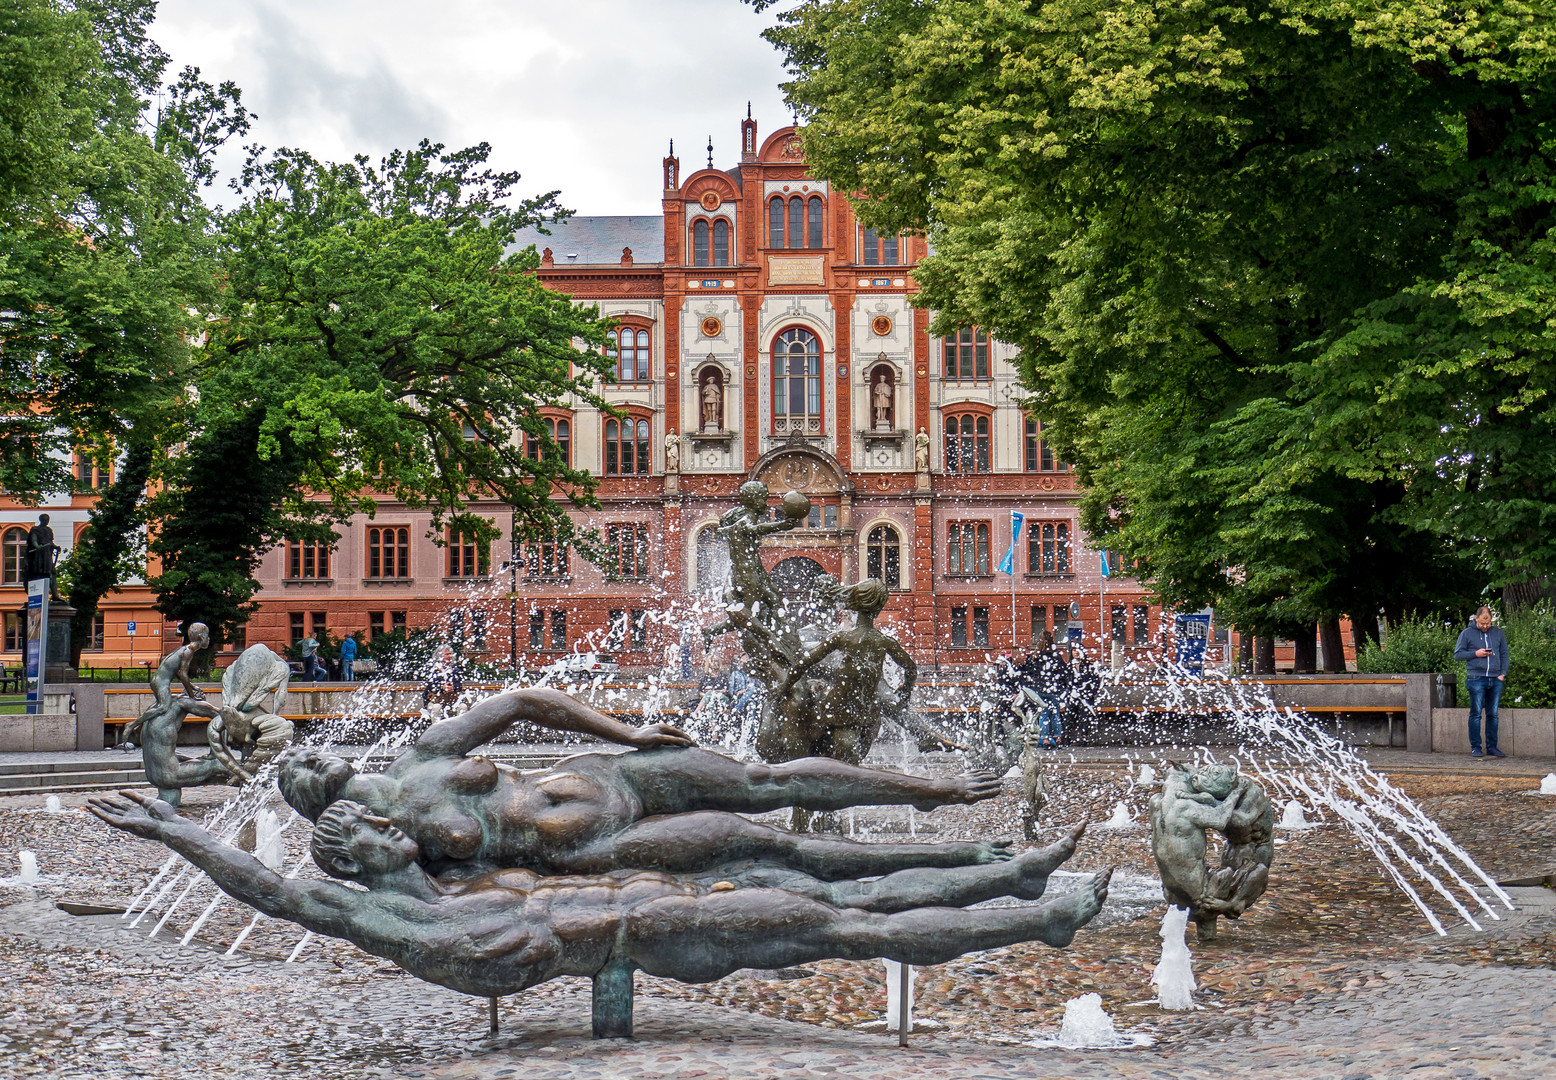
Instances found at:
x=1048 y=721
x=345 y=670
x=1484 y=692
x=308 y=668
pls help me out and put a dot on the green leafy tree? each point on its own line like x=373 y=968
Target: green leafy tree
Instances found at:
x=1280 y=271
x=105 y=255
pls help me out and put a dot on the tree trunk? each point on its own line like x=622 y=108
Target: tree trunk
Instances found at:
x=1364 y=628
x=1264 y=655
x=1244 y=651
x=102 y=547
x=1333 y=644
x=1523 y=594
x=1304 y=652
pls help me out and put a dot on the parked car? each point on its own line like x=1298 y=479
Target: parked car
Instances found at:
x=584 y=665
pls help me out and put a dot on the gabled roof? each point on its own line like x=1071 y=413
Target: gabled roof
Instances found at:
x=598 y=239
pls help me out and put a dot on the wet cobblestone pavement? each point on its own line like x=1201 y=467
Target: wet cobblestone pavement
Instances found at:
x=1333 y=974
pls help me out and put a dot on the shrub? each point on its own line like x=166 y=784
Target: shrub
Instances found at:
x=1531 y=642
x=1414 y=646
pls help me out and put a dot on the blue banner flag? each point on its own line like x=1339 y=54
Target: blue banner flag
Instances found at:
x=1008 y=563
x=1106 y=570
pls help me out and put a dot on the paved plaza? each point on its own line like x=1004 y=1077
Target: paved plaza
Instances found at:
x=1333 y=975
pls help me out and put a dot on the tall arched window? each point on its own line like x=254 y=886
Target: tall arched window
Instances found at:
x=966 y=443
x=796 y=236
x=700 y=242
x=814 y=222
x=721 y=243
x=882 y=556
x=775 y=223
x=15 y=548
x=797 y=382
x=561 y=431
x=628 y=346
x=626 y=447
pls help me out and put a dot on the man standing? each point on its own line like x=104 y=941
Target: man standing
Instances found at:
x=1483 y=648
x=309 y=647
x=348 y=657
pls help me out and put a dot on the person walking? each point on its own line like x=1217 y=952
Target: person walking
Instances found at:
x=1483 y=648
x=348 y=658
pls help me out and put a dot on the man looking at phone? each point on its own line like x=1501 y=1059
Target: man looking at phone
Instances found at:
x=1483 y=648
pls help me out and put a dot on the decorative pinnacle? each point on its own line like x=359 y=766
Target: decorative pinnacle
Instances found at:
x=710 y=151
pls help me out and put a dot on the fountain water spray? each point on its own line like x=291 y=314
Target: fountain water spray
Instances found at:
x=52 y=804
x=1292 y=816
x=1087 y=1024
x=1120 y=818
x=1174 y=973
x=1548 y=785
x=29 y=872
x=1146 y=778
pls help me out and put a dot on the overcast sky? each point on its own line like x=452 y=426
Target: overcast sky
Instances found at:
x=578 y=95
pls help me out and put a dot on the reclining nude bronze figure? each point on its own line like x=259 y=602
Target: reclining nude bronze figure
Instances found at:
x=502 y=932
x=670 y=806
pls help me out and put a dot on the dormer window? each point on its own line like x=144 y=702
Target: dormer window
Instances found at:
x=710 y=242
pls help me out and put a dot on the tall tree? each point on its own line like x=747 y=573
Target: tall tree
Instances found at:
x=387 y=343
x=1280 y=270
x=105 y=258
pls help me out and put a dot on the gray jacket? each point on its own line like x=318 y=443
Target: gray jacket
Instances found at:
x=1472 y=638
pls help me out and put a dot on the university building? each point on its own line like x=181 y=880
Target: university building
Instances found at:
x=761 y=333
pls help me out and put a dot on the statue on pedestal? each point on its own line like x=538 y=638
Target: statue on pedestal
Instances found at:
x=42 y=553
x=921 y=451
x=881 y=399
x=712 y=405
x=672 y=453
x=1202 y=797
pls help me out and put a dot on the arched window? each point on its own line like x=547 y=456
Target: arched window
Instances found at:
x=389 y=552
x=710 y=400
x=561 y=431
x=626 y=447
x=628 y=346
x=966 y=443
x=721 y=243
x=1039 y=455
x=796 y=236
x=966 y=354
x=797 y=382
x=816 y=231
x=15 y=547
x=700 y=242
x=882 y=556
x=883 y=398
x=775 y=223
x=878 y=250
x=712 y=560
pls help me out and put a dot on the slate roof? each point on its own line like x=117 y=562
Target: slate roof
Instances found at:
x=598 y=239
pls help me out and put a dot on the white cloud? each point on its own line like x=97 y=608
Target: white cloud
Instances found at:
x=581 y=95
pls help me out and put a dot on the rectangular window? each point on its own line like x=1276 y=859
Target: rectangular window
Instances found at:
x=99 y=632
x=307 y=561
x=821 y=517
x=465 y=559
x=396 y=620
x=1040 y=620
x=626 y=548
x=1142 y=627
x=980 y=626
x=1039 y=455
x=89 y=476
x=545 y=560
x=1118 y=628
x=537 y=629
x=968 y=548
x=320 y=625
x=1048 y=548
x=375 y=625
x=478 y=631
x=389 y=552
x=15 y=631
x=558 y=629
x=958 y=626
x=615 y=629
x=966 y=354
x=639 y=629
x=297 y=627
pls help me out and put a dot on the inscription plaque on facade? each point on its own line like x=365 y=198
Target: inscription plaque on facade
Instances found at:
x=793 y=270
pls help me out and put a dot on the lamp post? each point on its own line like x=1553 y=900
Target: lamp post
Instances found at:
x=513 y=588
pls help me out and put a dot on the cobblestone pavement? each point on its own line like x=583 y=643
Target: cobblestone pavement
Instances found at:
x=1332 y=975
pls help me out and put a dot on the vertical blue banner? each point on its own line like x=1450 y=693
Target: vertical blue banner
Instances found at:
x=1008 y=563
x=37 y=630
x=1191 y=633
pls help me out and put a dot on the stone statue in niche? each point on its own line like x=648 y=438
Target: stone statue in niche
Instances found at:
x=1202 y=797
x=881 y=400
x=672 y=452
x=712 y=404
x=921 y=451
